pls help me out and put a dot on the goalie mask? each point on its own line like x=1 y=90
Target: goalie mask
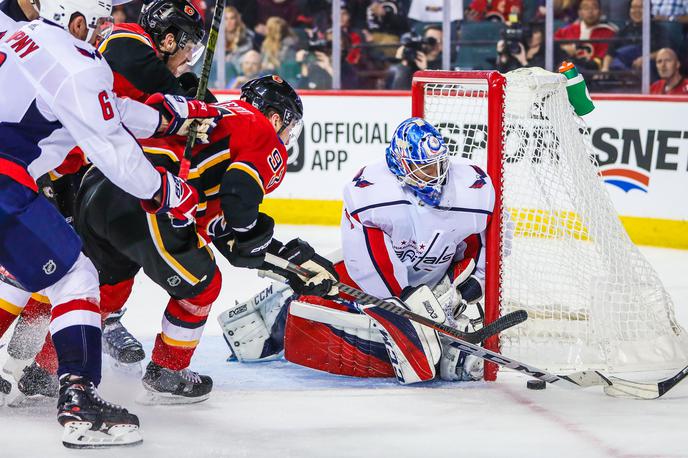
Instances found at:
x=418 y=156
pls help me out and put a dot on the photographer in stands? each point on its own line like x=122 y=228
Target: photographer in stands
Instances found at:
x=316 y=64
x=416 y=53
x=519 y=47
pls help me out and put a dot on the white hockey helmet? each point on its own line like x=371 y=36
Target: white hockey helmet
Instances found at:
x=60 y=12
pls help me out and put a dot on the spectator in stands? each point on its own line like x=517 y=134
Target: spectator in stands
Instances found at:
x=416 y=53
x=386 y=21
x=586 y=55
x=285 y=9
x=494 y=10
x=119 y=15
x=627 y=54
x=248 y=9
x=517 y=54
x=671 y=81
x=316 y=67
x=251 y=67
x=278 y=49
x=669 y=10
x=238 y=38
x=564 y=10
x=425 y=12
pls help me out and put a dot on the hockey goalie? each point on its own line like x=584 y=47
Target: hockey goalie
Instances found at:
x=413 y=231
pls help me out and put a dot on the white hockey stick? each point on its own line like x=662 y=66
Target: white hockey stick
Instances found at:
x=613 y=386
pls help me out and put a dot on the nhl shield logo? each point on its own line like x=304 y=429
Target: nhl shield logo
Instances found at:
x=174 y=281
x=188 y=10
x=49 y=267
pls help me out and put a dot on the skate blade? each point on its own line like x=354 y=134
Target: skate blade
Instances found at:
x=154 y=398
x=129 y=369
x=78 y=434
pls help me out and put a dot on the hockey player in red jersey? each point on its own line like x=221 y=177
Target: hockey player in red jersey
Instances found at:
x=120 y=237
x=412 y=230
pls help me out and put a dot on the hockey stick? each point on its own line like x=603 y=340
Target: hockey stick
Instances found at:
x=501 y=324
x=613 y=386
x=8 y=278
x=218 y=11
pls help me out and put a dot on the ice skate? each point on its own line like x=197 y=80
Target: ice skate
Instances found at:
x=91 y=422
x=123 y=348
x=165 y=386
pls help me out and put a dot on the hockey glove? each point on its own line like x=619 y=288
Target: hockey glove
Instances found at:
x=180 y=113
x=177 y=198
x=189 y=84
x=300 y=252
x=245 y=248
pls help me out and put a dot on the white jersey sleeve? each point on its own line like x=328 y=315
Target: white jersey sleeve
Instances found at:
x=90 y=113
x=140 y=119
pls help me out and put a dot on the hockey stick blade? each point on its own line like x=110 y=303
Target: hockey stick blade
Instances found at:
x=613 y=386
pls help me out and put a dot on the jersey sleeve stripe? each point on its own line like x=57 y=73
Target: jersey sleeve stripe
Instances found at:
x=381 y=204
x=244 y=167
x=165 y=255
x=213 y=160
x=162 y=152
x=377 y=250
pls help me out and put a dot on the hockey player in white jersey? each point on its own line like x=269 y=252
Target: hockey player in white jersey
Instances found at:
x=55 y=93
x=411 y=224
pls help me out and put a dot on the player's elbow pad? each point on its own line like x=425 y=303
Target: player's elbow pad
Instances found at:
x=240 y=197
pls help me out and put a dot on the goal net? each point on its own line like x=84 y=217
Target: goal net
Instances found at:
x=556 y=246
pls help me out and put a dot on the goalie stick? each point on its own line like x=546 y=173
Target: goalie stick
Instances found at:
x=218 y=11
x=501 y=324
x=613 y=386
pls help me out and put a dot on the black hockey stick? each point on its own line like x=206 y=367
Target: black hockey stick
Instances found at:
x=218 y=11
x=613 y=386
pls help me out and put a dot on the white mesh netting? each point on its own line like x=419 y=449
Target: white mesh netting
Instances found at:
x=592 y=298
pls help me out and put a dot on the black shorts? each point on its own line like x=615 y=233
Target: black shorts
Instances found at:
x=121 y=238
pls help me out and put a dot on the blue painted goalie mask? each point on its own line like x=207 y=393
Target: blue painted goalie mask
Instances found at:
x=418 y=156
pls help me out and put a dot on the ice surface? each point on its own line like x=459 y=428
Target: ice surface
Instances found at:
x=278 y=409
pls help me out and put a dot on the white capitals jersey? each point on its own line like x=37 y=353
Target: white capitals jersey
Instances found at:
x=56 y=93
x=390 y=240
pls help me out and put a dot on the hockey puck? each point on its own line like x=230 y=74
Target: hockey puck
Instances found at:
x=536 y=385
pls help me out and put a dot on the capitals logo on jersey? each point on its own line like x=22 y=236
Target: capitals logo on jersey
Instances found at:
x=424 y=256
x=480 y=179
x=359 y=181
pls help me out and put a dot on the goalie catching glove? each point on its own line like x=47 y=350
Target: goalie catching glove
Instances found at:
x=175 y=197
x=300 y=252
x=180 y=113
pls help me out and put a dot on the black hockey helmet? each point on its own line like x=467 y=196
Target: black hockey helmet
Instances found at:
x=178 y=17
x=272 y=92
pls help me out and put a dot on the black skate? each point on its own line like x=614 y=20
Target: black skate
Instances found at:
x=166 y=386
x=91 y=422
x=5 y=386
x=126 y=351
x=36 y=381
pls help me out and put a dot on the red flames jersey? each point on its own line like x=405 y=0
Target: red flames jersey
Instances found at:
x=243 y=140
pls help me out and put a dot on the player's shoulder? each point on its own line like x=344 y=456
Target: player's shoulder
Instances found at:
x=468 y=175
x=126 y=36
x=373 y=186
x=59 y=48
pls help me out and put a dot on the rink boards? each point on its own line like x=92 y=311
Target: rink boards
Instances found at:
x=641 y=144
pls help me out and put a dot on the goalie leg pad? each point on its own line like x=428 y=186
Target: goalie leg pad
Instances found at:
x=328 y=336
x=254 y=330
x=413 y=349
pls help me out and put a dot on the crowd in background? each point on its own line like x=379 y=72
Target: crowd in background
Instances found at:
x=385 y=41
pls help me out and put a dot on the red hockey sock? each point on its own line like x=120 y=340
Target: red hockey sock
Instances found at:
x=182 y=327
x=47 y=357
x=113 y=297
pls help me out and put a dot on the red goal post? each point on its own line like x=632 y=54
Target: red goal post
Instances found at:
x=494 y=82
